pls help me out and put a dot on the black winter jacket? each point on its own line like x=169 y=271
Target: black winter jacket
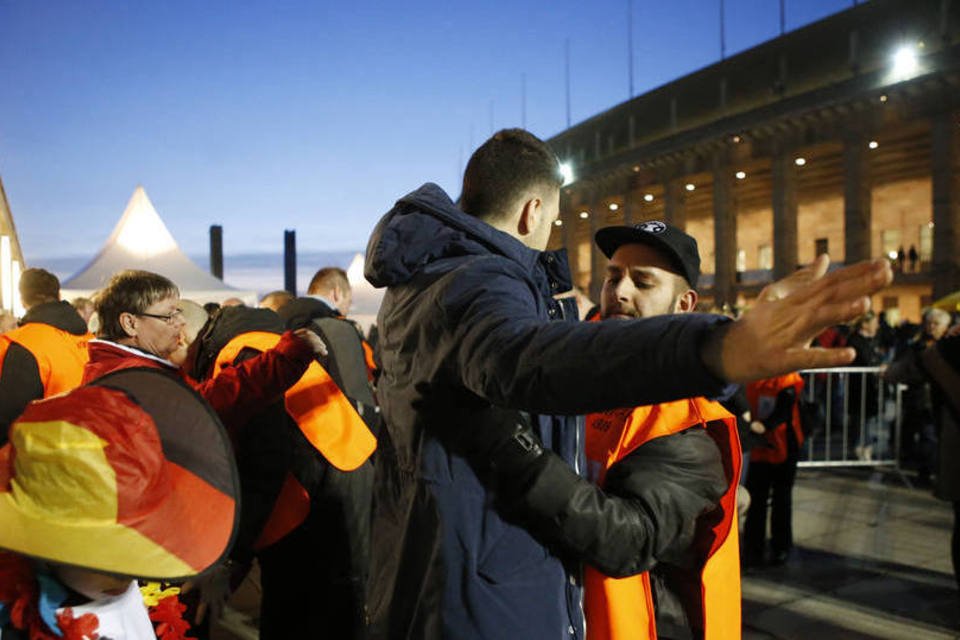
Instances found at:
x=469 y=321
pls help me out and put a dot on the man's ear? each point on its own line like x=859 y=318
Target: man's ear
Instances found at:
x=128 y=324
x=530 y=216
x=686 y=302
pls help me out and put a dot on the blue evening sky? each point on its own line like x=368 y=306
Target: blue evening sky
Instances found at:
x=317 y=116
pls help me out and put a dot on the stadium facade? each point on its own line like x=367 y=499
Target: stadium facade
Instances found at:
x=841 y=137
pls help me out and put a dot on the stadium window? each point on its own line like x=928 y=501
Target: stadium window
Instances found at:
x=765 y=256
x=926 y=243
x=890 y=242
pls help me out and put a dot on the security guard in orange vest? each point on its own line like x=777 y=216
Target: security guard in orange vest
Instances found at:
x=305 y=475
x=773 y=469
x=45 y=355
x=687 y=451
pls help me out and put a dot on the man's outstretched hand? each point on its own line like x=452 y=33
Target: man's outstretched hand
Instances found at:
x=773 y=337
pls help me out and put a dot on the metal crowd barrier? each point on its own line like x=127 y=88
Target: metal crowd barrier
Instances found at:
x=861 y=418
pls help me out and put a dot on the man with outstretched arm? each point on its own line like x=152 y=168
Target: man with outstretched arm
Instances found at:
x=469 y=327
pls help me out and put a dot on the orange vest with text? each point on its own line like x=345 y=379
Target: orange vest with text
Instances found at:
x=325 y=417
x=762 y=396
x=622 y=608
x=60 y=355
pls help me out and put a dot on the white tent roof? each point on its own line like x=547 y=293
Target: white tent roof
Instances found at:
x=366 y=299
x=142 y=241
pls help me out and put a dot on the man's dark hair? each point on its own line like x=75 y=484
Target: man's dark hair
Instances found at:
x=38 y=286
x=326 y=279
x=504 y=169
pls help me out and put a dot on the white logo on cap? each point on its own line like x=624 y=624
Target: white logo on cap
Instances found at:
x=654 y=226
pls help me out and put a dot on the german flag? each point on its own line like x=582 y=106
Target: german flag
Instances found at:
x=131 y=475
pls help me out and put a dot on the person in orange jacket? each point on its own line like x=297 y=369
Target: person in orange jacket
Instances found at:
x=685 y=453
x=305 y=474
x=773 y=469
x=46 y=354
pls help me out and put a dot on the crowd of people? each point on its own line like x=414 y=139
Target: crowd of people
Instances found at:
x=492 y=467
x=869 y=397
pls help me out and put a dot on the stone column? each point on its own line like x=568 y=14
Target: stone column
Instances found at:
x=675 y=202
x=785 y=249
x=628 y=197
x=946 y=205
x=856 y=200
x=572 y=224
x=567 y=229
x=597 y=259
x=724 y=231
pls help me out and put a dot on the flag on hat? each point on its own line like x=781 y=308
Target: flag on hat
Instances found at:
x=131 y=475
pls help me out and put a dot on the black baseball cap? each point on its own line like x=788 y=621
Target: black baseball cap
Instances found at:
x=679 y=247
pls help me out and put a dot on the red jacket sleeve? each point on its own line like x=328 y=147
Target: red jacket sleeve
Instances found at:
x=241 y=391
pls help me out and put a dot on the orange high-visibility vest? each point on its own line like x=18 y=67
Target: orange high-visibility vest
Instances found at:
x=762 y=396
x=60 y=355
x=622 y=608
x=326 y=418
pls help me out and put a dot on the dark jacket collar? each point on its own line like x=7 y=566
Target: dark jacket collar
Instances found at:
x=224 y=326
x=425 y=225
x=300 y=311
x=60 y=315
x=107 y=356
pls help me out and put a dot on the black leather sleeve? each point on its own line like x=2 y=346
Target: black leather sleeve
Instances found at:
x=19 y=384
x=646 y=514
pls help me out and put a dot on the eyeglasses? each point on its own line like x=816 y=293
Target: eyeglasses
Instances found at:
x=169 y=318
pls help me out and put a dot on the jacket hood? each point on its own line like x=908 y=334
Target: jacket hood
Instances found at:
x=426 y=226
x=60 y=314
x=300 y=311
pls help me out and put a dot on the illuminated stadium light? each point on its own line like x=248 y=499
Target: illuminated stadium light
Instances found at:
x=905 y=62
x=584 y=215
x=566 y=170
x=741 y=175
x=873 y=144
x=691 y=186
x=800 y=162
x=614 y=206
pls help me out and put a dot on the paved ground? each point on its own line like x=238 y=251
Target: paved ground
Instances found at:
x=872 y=561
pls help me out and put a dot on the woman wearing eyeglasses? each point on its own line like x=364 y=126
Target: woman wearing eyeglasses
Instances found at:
x=141 y=325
